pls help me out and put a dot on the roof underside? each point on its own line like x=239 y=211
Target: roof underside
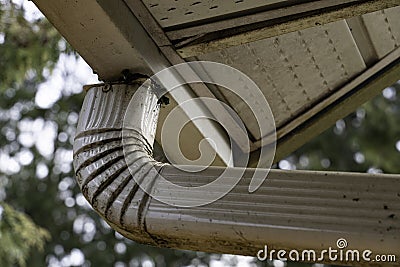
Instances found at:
x=315 y=61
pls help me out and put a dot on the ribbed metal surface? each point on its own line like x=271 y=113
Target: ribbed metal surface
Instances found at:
x=302 y=210
x=100 y=163
x=294 y=70
x=303 y=195
x=291 y=210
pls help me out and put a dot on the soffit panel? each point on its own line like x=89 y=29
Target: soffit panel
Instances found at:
x=294 y=70
x=170 y=13
x=384 y=30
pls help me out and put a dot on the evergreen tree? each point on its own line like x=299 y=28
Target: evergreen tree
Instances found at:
x=47 y=221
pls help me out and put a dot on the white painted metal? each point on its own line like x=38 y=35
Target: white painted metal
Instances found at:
x=324 y=11
x=172 y=13
x=295 y=70
x=284 y=23
x=384 y=30
x=201 y=90
x=91 y=31
x=112 y=36
x=339 y=104
x=292 y=210
x=131 y=32
x=363 y=40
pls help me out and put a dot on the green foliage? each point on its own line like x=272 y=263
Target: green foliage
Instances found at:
x=19 y=237
x=50 y=197
x=44 y=188
x=364 y=141
x=37 y=41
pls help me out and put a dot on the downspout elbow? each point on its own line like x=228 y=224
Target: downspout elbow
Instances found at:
x=293 y=210
x=108 y=166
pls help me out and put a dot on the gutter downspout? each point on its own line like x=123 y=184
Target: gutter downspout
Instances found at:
x=292 y=210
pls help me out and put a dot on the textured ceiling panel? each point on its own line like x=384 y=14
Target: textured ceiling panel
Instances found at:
x=176 y=12
x=294 y=70
x=384 y=30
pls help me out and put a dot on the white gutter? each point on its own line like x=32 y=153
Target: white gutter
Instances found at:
x=291 y=210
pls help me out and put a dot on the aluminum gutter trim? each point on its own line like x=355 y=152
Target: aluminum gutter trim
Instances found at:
x=291 y=210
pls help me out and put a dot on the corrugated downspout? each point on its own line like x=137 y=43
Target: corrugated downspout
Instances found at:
x=291 y=210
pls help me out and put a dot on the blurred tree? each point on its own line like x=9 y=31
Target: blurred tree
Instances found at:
x=368 y=140
x=18 y=235
x=36 y=175
x=37 y=43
